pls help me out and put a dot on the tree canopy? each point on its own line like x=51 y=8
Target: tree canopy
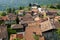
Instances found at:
x=8 y=10
x=13 y=10
x=20 y=8
x=3 y=14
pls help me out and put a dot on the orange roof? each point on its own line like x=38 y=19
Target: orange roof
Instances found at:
x=19 y=36
x=11 y=16
x=31 y=29
x=4 y=18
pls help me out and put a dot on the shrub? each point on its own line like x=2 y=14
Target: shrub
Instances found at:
x=16 y=39
x=11 y=31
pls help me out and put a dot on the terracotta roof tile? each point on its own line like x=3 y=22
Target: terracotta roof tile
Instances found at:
x=4 y=18
x=19 y=36
x=29 y=32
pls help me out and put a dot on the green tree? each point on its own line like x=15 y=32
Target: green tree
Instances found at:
x=8 y=10
x=39 y=6
x=3 y=14
x=1 y=21
x=52 y=6
x=20 y=8
x=16 y=11
x=58 y=13
x=58 y=6
x=58 y=34
x=13 y=10
x=17 y=20
x=30 y=4
x=10 y=31
x=58 y=31
x=59 y=21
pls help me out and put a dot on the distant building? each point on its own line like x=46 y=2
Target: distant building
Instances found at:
x=11 y=18
x=41 y=10
x=4 y=18
x=27 y=18
x=48 y=28
x=51 y=13
x=34 y=6
x=20 y=12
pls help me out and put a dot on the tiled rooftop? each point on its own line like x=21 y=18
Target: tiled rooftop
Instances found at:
x=3 y=31
x=16 y=26
x=3 y=18
x=11 y=16
x=33 y=28
x=47 y=25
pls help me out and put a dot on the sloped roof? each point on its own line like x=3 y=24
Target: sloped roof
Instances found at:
x=33 y=28
x=47 y=25
x=3 y=31
x=57 y=24
x=16 y=26
x=11 y=16
x=51 y=12
x=27 y=17
x=4 y=18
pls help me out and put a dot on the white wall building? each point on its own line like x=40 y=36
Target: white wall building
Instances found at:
x=41 y=10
